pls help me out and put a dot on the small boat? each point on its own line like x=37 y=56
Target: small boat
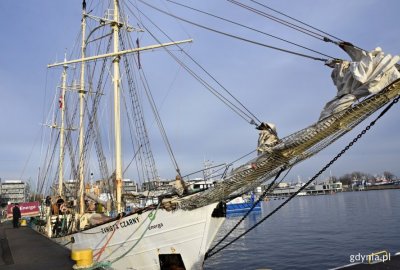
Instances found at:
x=240 y=205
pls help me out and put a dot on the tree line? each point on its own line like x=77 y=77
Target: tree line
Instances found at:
x=349 y=177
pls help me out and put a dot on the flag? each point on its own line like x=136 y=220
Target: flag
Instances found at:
x=138 y=55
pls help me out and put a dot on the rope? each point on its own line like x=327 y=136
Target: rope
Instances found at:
x=250 y=28
x=248 y=117
x=294 y=19
x=225 y=165
x=105 y=264
x=278 y=20
x=146 y=156
x=103 y=248
x=66 y=244
x=247 y=213
x=209 y=254
x=152 y=217
x=234 y=36
x=291 y=25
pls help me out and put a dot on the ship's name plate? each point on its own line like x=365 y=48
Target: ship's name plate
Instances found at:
x=122 y=224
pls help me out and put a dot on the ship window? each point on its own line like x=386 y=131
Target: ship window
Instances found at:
x=171 y=261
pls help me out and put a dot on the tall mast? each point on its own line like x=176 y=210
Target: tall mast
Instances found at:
x=62 y=107
x=117 y=113
x=116 y=55
x=81 y=112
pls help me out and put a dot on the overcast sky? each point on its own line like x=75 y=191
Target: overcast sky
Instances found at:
x=284 y=89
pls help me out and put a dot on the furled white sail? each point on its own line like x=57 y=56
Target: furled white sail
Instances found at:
x=367 y=73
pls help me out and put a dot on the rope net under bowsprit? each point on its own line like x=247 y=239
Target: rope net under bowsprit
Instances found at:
x=291 y=150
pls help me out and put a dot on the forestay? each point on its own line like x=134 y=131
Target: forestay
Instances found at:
x=309 y=141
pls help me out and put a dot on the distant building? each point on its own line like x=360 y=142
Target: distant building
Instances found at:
x=104 y=186
x=283 y=185
x=197 y=184
x=13 y=191
x=157 y=185
x=284 y=191
x=325 y=188
x=129 y=186
x=71 y=189
x=316 y=189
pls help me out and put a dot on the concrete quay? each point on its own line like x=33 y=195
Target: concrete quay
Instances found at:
x=25 y=249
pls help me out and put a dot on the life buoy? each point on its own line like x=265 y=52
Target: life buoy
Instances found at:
x=63 y=208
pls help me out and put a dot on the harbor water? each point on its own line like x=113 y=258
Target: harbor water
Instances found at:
x=314 y=232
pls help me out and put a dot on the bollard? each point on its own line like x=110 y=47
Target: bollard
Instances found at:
x=83 y=257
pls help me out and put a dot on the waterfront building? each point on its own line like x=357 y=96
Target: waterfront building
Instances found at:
x=284 y=191
x=325 y=188
x=157 y=185
x=197 y=184
x=13 y=191
x=283 y=185
x=314 y=189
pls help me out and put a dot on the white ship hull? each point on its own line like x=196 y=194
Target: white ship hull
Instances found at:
x=136 y=241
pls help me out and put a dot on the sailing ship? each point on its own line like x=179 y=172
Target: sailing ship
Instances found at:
x=179 y=228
